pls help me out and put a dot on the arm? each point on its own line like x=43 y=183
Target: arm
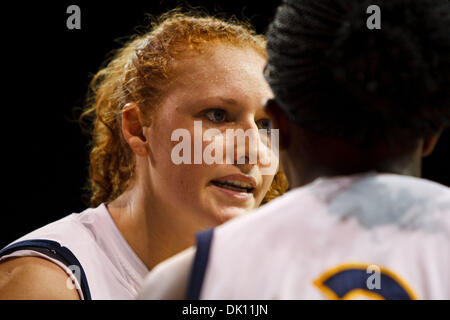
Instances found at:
x=169 y=279
x=33 y=278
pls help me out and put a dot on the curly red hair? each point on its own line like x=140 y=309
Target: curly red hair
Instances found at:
x=138 y=72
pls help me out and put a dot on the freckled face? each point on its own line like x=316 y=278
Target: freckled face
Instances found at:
x=223 y=88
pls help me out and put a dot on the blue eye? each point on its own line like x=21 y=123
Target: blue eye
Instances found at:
x=216 y=115
x=264 y=124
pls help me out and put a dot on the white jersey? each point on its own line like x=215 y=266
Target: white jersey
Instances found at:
x=377 y=236
x=90 y=248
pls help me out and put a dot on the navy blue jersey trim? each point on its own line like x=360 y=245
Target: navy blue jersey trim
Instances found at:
x=204 y=240
x=54 y=250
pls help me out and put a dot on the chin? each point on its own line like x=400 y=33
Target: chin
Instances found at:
x=226 y=214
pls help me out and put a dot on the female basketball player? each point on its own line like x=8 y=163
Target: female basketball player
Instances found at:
x=145 y=207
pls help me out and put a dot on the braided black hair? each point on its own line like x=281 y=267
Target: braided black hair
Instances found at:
x=333 y=75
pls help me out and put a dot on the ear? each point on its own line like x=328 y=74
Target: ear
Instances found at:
x=132 y=129
x=429 y=143
x=280 y=121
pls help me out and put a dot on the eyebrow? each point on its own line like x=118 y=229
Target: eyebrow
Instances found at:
x=220 y=98
x=228 y=101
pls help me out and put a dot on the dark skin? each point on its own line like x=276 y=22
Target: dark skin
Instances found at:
x=307 y=156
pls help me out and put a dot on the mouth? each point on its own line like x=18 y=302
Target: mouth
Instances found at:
x=234 y=185
x=237 y=186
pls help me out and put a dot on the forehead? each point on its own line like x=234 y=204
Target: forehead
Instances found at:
x=220 y=70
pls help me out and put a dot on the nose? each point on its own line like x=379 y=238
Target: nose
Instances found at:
x=244 y=164
x=245 y=143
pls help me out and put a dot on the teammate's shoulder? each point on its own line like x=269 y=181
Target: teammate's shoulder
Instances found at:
x=169 y=279
x=413 y=182
x=34 y=278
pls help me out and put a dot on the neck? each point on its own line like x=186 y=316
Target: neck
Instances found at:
x=153 y=231
x=335 y=158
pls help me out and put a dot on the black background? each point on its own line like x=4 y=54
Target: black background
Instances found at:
x=46 y=70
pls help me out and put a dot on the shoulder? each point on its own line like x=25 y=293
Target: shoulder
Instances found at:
x=34 y=278
x=68 y=228
x=414 y=185
x=76 y=232
x=71 y=226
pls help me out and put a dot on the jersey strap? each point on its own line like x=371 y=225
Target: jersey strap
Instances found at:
x=53 y=250
x=204 y=240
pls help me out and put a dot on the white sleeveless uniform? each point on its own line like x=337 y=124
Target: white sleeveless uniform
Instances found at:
x=90 y=248
x=380 y=236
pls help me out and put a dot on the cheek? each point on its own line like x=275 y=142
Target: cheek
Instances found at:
x=187 y=181
x=181 y=185
x=160 y=141
x=267 y=182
